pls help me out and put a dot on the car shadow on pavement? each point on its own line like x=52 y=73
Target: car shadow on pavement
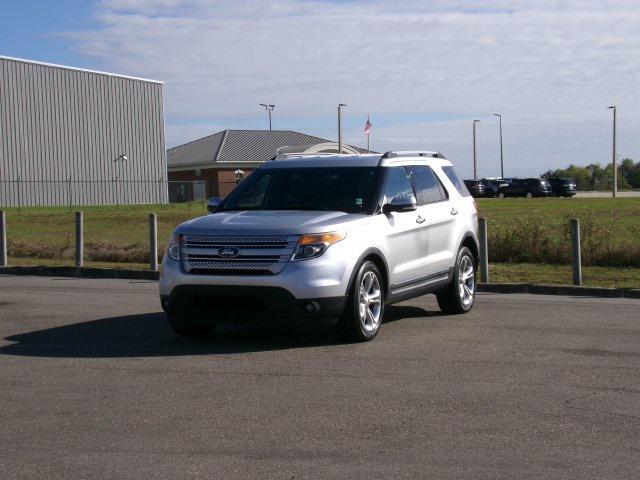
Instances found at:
x=148 y=335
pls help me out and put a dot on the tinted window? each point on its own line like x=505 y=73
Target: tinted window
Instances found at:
x=397 y=184
x=345 y=189
x=427 y=186
x=254 y=196
x=456 y=180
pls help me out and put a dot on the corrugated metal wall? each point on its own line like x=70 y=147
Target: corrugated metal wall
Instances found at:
x=61 y=130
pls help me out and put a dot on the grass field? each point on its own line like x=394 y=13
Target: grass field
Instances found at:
x=521 y=231
x=621 y=215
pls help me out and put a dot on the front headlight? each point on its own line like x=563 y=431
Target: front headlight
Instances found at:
x=314 y=245
x=173 y=249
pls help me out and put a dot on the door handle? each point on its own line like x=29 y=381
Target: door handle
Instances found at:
x=454 y=211
x=419 y=219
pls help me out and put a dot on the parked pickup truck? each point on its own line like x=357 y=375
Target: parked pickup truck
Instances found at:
x=335 y=236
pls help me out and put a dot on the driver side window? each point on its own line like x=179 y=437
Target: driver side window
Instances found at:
x=397 y=183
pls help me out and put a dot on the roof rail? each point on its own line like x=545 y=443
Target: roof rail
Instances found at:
x=410 y=153
x=282 y=156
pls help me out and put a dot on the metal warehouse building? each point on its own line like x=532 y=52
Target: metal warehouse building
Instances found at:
x=73 y=136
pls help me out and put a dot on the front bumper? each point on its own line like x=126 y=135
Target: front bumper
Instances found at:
x=227 y=302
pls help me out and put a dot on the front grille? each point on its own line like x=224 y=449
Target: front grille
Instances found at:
x=250 y=254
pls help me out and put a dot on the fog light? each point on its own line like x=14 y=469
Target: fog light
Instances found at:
x=309 y=307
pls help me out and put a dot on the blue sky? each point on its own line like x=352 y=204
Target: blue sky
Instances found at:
x=29 y=30
x=423 y=70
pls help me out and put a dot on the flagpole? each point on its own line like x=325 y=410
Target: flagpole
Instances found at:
x=368 y=135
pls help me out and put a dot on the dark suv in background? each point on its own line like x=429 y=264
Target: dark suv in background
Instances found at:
x=475 y=187
x=563 y=187
x=487 y=187
x=527 y=187
x=493 y=187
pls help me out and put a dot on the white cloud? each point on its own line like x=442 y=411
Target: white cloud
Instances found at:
x=549 y=67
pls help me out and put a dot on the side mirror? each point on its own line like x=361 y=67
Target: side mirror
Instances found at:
x=213 y=204
x=401 y=203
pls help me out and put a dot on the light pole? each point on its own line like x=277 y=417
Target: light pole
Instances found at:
x=501 y=155
x=613 y=158
x=269 y=108
x=475 y=159
x=340 y=105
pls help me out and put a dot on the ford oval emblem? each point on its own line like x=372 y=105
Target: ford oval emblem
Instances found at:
x=228 y=252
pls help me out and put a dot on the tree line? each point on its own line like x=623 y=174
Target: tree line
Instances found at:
x=596 y=177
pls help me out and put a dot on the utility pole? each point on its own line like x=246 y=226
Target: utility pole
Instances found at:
x=613 y=159
x=269 y=108
x=501 y=155
x=340 y=105
x=475 y=156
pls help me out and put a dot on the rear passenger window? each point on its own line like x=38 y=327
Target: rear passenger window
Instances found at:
x=428 y=187
x=450 y=172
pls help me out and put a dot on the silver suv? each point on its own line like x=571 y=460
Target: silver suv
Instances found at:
x=331 y=236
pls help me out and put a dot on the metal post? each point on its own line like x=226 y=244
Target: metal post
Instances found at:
x=340 y=105
x=79 y=240
x=484 y=250
x=501 y=154
x=69 y=192
x=368 y=134
x=614 y=189
x=19 y=196
x=577 y=255
x=153 y=242
x=613 y=160
x=4 y=259
x=475 y=163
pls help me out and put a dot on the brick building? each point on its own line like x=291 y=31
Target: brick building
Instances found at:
x=217 y=159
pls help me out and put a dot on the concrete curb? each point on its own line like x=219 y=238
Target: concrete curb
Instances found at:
x=570 y=290
x=87 y=272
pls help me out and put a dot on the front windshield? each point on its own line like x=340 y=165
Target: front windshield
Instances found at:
x=344 y=189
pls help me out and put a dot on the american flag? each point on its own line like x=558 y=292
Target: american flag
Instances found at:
x=367 y=127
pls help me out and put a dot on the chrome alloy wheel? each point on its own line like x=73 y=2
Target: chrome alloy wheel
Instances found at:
x=466 y=281
x=370 y=302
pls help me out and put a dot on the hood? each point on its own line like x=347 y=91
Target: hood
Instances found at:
x=268 y=222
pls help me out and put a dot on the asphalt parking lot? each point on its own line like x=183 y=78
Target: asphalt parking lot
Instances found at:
x=94 y=385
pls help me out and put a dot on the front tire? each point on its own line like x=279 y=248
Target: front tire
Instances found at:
x=459 y=296
x=364 y=311
x=187 y=327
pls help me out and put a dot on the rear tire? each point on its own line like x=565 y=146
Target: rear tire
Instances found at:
x=364 y=311
x=459 y=296
x=188 y=327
